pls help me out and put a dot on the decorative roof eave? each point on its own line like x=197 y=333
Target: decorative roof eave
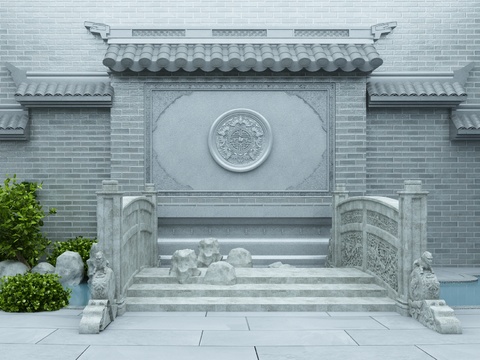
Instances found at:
x=418 y=89
x=14 y=123
x=61 y=89
x=251 y=49
x=465 y=124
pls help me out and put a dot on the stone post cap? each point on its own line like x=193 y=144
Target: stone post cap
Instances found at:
x=110 y=185
x=340 y=187
x=412 y=187
x=150 y=187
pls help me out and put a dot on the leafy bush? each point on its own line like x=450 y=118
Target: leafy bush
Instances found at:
x=80 y=245
x=32 y=292
x=21 y=217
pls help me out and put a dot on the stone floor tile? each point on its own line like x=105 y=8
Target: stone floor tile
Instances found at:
x=267 y=314
x=61 y=312
x=341 y=352
x=168 y=352
x=449 y=352
x=41 y=352
x=413 y=337
x=398 y=322
x=125 y=337
x=469 y=321
x=23 y=336
x=469 y=311
x=180 y=323
x=164 y=313
x=312 y=323
x=276 y=338
x=362 y=313
x=39 y=321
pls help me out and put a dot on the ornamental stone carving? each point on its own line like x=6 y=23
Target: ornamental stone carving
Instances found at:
x=424 y=303
x=240 y=140
x=382 y=260
x=352 y=248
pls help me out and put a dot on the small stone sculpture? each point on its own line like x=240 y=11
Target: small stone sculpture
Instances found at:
x=184 y=265
x=91 y=262
x=220 y=273
x=209 y=252
x=70 y=268
x=101 y=309
x=240 y=258
x=424 y=303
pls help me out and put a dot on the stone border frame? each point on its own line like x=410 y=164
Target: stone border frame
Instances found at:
x=231 y=84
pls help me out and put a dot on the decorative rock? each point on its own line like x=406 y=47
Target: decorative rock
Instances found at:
x=12 y=268
x=101 y=309
x=184 y=265
x=240 y=258
x=209 y=252
x=220 y=273
x=44 y=268
x=70 y=268
x=279 y=264
x=423 y=301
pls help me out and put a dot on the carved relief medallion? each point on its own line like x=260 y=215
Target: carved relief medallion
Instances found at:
x=240 y=140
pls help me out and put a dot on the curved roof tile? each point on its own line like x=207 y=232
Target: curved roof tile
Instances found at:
x=64 y=89
x=242 y=57
x=415 y=88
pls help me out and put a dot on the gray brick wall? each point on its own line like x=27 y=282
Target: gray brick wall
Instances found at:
x=414 y=144
x=70 y=149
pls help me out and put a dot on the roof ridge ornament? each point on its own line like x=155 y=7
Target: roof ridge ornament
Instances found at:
x=383 y=29
x=98 y=28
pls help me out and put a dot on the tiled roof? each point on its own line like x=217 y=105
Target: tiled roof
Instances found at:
x=467 y=120
x=66 y=93
x=13 y=125
x=64 y=89
x=242 y=57
x=465 y=124
x=383 y=93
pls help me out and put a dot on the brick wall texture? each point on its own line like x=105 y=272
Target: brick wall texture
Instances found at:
x=72 y=150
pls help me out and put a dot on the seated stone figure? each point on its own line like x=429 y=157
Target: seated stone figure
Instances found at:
x=424 y=303
x=184 y=265
x=103 y=280
x=208 y=252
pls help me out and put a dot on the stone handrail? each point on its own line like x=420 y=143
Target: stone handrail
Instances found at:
x=127 y=233
x=382 y=236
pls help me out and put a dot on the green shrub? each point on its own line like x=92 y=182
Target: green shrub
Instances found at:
x=21 y=217
x=32 y=292
x=80 y=245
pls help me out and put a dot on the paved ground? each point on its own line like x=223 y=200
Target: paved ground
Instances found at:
x=238 y=336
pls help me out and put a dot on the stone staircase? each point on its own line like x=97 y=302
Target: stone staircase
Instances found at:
x=261 y=289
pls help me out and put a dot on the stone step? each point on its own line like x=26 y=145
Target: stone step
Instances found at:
x=268 y=276
x=256 y=290
x=260 y=304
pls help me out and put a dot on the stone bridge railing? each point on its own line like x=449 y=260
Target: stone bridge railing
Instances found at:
x=127 y=233
x=382 y=236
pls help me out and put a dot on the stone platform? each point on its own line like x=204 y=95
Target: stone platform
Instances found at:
x=261 y=289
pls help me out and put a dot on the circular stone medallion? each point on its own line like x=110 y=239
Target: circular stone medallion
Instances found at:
x=240 y=140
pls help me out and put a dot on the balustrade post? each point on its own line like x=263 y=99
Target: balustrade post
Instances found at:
x=412 y=235
x=339 y=194
x=151 y=194
x=109 y=231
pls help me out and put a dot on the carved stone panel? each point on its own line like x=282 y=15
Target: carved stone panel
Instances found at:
x=219 y=135
x=382 y=222
x=351 y=217
x=382 y=260
x=352 y=252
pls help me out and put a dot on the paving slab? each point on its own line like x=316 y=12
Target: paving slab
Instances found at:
x=168 y=352
x=40 y=321
x=362 y=313
x=124 y=337
x=312 y=323
x=23 y=336
x=268 y=314
x=398 y=322
x=469 y=321
x=137 y=314
x=180 y=323
x=341 y=352
x=276 y=338
x=449 y=352
x=41 y=352
x=413 y=337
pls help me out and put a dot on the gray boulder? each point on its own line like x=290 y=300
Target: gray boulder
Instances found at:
x=12 y=268
x=240 y=258
x=208 y=252
x=44 y=268
x=220 y=273
x=70 y=268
